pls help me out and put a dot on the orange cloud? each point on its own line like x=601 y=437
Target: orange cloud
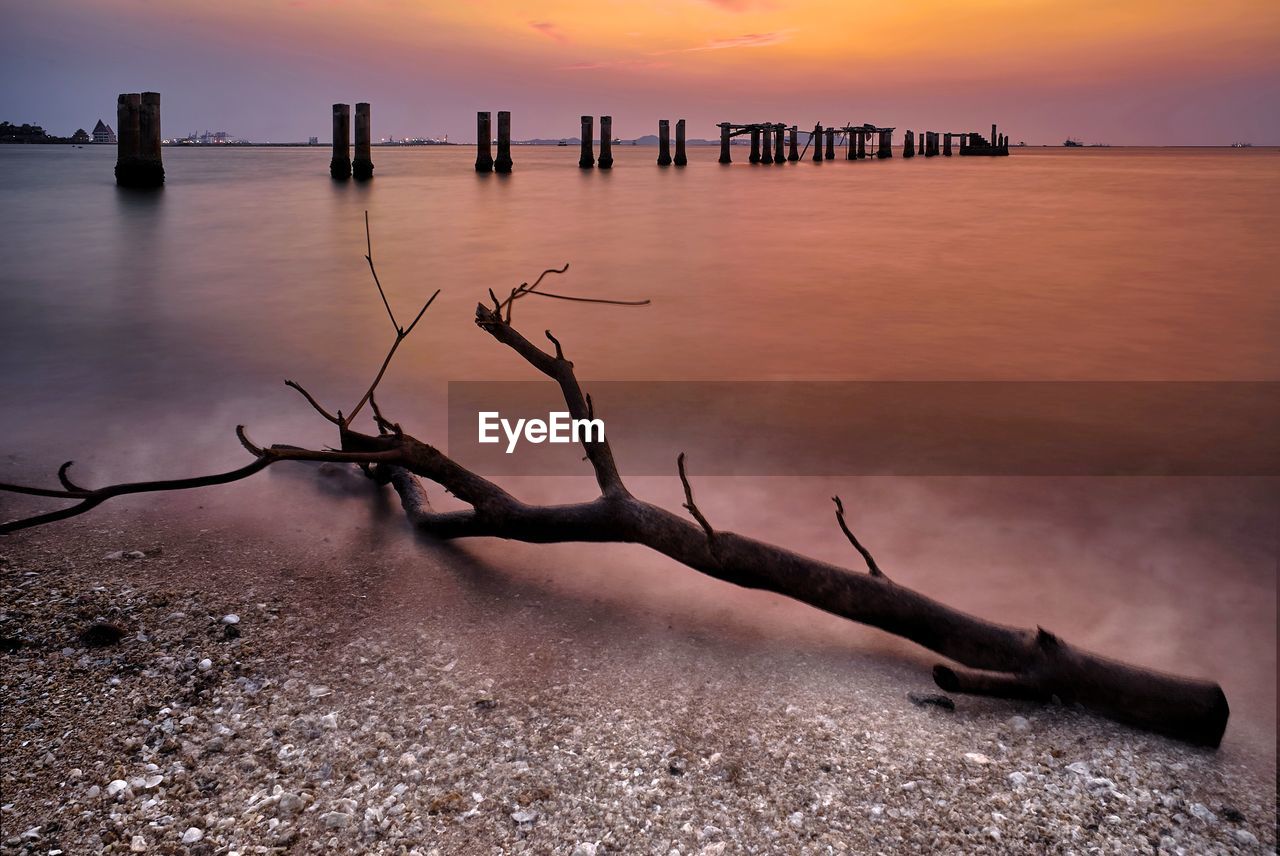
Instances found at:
x=549 y=30
x=750 y=40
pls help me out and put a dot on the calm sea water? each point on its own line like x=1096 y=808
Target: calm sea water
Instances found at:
x=137 y=323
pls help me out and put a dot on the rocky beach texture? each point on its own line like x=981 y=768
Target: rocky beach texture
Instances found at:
x=183 y=691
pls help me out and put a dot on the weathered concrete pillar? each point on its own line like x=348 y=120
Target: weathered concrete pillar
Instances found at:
x=138 y=162
x=484 y=136
x=946 y=145
x=362 y=163
x=588 y=157
x=779 y=152
x=502 y=163
x=862 y=145
x=766 y=143
x=681 y=158
x=606 y=143
x=817 y=143
x=340 y=163
x=908 y=145
x=755 y=144
x=664 y=142
x=831 y=143
x=793 y=152
x=725 y=156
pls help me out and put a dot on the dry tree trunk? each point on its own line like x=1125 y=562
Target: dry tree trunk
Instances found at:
x=986 y=658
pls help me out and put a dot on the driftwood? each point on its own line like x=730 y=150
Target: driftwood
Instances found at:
x=985 y=658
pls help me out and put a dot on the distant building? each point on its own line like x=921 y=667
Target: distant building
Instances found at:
x=103 y=133
x=80 y=136
x=313 y=141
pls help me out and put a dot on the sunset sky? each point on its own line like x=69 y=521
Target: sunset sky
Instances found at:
x=1127 y=72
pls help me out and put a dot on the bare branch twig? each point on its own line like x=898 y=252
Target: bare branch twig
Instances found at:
x=857 y=545
x=689 y=504
x=368 y=256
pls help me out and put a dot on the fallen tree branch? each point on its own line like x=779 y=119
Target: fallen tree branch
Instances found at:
x=992 y=659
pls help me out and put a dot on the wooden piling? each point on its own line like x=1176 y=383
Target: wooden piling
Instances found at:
x=502 y=163
x=340 y=163
x=831 y=143
x=755 y=144
x=779 y=150
x=766 y=142
x=885 y=147
x=664 y=142
x=681 y=158
x=725 y=155
x=993 y=134
x=362 y=163
x=484 y=136
x=946 y=145
x=606 y=143
x=793 y=153
x=908 y=144
x=862 y=145
x=921 y=144
x=817 y=143
x=587 y=159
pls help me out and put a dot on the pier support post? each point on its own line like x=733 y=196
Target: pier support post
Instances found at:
x=793 y=154
x=340 y=163
x=921 y=144
x=831 y=143
x=664 y=142
x=484 y=160
x=885 y=148
x=587 y=159
x=681 y=159
x=817 y=143
x=725 y=155
x=606 y=143
x=908 y=145
x=862 y=145
x=362 y=163
x=993 y=134
x=502 y=163
x=946 y=145
x=779 y=145
x=755 y=144
x=150 y=167
x=766 y=142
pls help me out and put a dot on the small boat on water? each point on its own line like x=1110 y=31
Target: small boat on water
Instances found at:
x=563 y=143
x=1242 y=145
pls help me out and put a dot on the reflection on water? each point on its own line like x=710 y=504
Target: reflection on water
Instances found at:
x=137 y=328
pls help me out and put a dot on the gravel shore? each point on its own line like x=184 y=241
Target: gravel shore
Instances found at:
x=168 y=690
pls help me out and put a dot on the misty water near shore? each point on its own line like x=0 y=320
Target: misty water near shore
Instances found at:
x=137 y=329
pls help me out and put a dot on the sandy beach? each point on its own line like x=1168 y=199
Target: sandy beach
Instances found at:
x=274 y=690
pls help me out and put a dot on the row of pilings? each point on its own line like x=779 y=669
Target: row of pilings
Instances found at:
x=933 y=143
x=139 y=164
x=776 y=143
x=485 y=162
x=342 y=166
